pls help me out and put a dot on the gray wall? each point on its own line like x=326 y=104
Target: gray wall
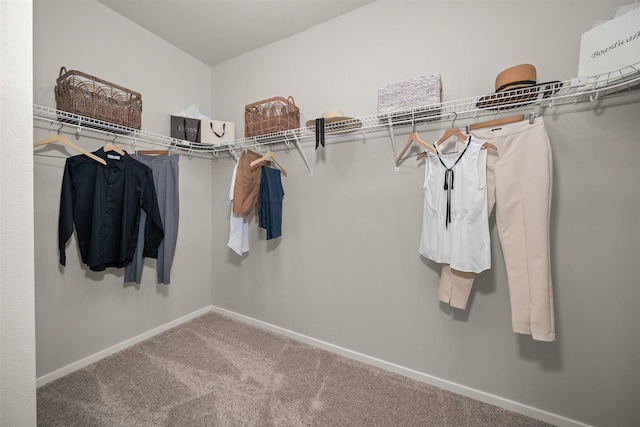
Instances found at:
x=17 y=319
x=347 y=270
x=78 y=312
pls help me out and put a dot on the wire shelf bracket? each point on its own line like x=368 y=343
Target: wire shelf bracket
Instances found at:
x=620 y=82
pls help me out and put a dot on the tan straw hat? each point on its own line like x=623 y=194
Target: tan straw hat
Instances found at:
x=332 y=116
x=517 y=86
x=523 y=75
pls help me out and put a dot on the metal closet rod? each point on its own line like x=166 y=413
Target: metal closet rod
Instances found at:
x=66 y=119
x=570 y=91
x=133 y=136
x=111 y=131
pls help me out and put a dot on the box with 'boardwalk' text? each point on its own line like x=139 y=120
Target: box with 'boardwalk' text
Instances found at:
x=611 y=46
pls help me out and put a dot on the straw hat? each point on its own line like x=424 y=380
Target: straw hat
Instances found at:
x=332 y=116
x=517 y=86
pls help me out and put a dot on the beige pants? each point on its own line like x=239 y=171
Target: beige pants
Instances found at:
x=519 y=180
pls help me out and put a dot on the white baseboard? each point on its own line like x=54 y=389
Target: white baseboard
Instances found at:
x=482 y=396
x=66 y=370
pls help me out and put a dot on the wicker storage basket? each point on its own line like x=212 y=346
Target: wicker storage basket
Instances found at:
x=83 y=94
x=271 y=115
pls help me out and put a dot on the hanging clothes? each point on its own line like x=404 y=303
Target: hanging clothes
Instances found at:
x=519 y=183
x=165 y=169
x=455 y=226
x=270 y=202
x=104 y=204
x=238 y=225
x=247 y=184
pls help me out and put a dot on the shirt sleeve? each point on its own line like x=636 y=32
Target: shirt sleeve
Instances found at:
x=65 y=220
x=154 y=232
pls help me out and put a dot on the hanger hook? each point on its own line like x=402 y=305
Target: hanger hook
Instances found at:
x=61 y=126
x=113 y=141
x=455 y=117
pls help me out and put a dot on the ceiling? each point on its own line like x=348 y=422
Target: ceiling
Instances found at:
x=214 y=31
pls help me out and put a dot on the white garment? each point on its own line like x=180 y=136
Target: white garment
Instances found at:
x=463 y=243
x=238 y=225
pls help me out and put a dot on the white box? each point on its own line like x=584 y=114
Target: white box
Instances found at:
x=216 y=132
x=610 y=46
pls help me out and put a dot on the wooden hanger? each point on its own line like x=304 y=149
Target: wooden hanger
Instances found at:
x=414 y=137
x=152 y=151
x=461 y=136
x=270 y=155
x=111 y=146
x=65 y=141
x=421 y=155
x=497 y=122
x=452 y=132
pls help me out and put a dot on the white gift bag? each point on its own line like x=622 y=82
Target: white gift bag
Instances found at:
x=217 y=132
x=611 y=46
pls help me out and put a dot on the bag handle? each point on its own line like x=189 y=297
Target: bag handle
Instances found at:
x=224 y=126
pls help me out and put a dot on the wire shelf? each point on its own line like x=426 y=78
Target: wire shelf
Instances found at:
x=618 y=82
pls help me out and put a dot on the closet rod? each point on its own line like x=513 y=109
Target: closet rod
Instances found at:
x=134 y=136
x=619 y=82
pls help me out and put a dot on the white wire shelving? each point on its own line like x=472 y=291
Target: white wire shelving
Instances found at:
x=589 y=89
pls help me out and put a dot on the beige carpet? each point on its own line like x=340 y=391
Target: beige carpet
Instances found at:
x=214 y=371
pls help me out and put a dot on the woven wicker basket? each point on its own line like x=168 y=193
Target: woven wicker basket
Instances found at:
x=86 y=95
x=271 y=115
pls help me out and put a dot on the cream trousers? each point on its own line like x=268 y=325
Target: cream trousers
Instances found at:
x=519 y=181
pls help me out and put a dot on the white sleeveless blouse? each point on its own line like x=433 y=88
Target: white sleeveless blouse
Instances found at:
x=455 y=224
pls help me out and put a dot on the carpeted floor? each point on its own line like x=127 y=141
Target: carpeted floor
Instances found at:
x=214 y=371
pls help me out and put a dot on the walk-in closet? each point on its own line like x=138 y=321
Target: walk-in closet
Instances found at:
x=339 y=310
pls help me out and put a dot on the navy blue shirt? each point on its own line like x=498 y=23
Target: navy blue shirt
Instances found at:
x=104 y=203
